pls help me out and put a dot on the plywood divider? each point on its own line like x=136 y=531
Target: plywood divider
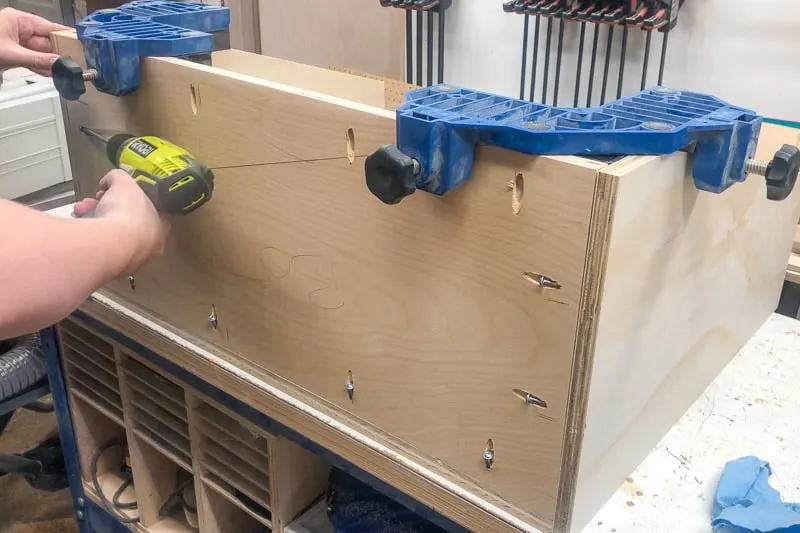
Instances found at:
x=298 y=478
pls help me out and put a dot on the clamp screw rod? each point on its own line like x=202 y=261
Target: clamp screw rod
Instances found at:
x=90 y=75
x=754 y=166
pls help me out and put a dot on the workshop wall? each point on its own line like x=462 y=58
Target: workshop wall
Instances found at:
x=743 y=51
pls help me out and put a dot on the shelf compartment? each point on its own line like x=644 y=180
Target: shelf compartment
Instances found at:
x=157 y=476
x=224 y=475
x=109 y=483
x=80 y=392
x=154 y=381
x=157 y=410
x=90 y=369
x=84 y=334
x=80 y=350
x=104 y=389
x=214 y=421
x=161 y=434
x=225 y=492
x=234 y=455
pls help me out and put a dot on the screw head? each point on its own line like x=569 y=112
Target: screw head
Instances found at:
x=782 y=172
x=213 y=320
x=390 y=174
x=79 y=514
x=80 y=501
x=68 y=78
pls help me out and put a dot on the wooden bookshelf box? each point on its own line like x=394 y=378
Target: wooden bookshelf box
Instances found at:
x=416 y=341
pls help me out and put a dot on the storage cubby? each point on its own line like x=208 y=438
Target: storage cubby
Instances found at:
x=221 y=515
x=158 y=434
x=157 y=410
x=163 y=481
x=234 y=460
x=91 y=370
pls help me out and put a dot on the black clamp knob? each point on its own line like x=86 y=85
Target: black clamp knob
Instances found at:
x=70 y=79
x=782 y=172
x=391 y=174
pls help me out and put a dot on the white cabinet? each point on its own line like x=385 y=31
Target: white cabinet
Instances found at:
x=33 y=144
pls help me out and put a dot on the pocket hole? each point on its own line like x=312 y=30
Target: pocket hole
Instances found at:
x=195 y=100
x=517 y=186
x=351 y=145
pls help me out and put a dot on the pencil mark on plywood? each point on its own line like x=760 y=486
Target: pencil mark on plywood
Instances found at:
x=306 y=276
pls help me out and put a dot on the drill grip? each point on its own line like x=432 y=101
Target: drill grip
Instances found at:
x=177 y=194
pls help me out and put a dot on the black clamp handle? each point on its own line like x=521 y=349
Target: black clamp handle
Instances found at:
x=781 y=172
x=391 y=174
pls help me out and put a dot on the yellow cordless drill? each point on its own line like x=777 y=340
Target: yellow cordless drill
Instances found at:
x=175 y=181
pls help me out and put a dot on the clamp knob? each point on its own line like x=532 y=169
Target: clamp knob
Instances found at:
x=391 y=174
x=70 y=79
x=780 y=173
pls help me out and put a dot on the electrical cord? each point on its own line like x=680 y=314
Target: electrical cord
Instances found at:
x=180 y=487
x=118 y=494
x=110 y=506
x=115 y=505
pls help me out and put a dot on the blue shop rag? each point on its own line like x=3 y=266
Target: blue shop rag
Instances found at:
x=746 y=503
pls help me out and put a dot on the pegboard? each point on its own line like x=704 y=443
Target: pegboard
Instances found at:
x=394 y=90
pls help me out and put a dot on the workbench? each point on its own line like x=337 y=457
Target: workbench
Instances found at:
x=499 y=360
x=745 y=411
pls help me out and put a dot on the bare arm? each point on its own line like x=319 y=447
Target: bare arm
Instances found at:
x=49 y=265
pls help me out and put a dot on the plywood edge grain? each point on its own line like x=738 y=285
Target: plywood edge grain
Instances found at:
x=793 y=271
x=585 y=337
x=425 y=480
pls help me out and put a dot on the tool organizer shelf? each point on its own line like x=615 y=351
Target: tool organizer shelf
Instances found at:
x=244 y=477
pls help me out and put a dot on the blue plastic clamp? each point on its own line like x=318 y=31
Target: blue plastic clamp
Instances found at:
x=440 y=126
x=115 y=40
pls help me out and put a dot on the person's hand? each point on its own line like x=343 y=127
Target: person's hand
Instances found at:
x=25 y=41
x=120 y=200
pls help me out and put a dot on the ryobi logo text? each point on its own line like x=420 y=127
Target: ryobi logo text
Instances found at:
x=141 y=147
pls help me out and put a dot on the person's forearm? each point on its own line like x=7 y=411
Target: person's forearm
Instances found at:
x=49 y=265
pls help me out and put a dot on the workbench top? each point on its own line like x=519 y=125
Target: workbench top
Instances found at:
x=745 y=411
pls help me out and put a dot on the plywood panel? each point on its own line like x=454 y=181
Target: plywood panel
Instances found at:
x=342 y=85
x=690 y=277
x=427 y=303
x=394 y=90
x=348 y=33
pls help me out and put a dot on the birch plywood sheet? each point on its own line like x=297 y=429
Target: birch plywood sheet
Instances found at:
x=690 y=277
x=431 y=304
